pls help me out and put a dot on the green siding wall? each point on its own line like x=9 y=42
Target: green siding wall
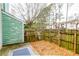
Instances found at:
x=12 y=29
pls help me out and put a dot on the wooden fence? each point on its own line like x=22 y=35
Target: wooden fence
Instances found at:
x=68 y=39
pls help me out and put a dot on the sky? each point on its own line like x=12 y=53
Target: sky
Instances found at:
x=74 y=9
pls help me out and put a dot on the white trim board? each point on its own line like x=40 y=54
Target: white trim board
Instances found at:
x=0 y=28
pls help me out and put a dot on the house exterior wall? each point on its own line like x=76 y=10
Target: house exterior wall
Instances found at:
x=12 y=29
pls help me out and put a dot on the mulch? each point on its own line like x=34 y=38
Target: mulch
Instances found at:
x=47 y=49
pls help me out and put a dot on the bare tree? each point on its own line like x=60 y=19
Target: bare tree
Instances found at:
x=30 y=11
x=42 y=17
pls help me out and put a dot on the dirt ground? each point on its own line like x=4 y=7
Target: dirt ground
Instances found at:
x=45 y=48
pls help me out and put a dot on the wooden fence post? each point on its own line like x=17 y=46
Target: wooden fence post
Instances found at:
x=75 y=40
x=59 y=41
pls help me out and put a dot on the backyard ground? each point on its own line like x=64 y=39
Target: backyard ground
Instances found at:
x=47 y=48
x=43 y=48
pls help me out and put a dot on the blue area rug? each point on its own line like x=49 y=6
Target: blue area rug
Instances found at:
x=21 y=52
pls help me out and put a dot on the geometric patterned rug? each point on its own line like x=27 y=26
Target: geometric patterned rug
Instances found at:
x=21 y=52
